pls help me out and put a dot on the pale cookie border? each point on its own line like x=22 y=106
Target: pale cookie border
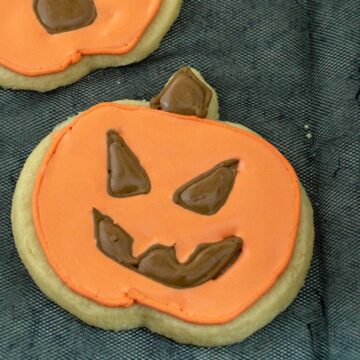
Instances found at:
x=277 y=299
x=149 y=42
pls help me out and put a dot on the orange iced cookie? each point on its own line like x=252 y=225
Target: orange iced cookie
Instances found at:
x=142 y=214
x=49 y=43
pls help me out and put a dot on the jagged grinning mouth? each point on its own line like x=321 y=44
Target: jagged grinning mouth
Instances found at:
x=159 y=262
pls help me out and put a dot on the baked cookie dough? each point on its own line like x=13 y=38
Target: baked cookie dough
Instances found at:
x=102 y=200
x=68 y=39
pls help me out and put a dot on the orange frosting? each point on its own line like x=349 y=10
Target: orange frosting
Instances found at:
x=27 y=48
x=263 y=209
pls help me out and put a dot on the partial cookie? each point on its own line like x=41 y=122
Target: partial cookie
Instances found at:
x=66 y=40
x=128 y=216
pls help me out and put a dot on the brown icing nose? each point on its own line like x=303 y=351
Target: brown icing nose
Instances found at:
x=64 y=15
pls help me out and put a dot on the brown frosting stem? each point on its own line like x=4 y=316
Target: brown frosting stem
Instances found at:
x=159 y=262
x=185 y=94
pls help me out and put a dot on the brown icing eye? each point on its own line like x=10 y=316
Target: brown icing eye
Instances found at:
x=64 y=15
x=208 y=192
x=126 y=177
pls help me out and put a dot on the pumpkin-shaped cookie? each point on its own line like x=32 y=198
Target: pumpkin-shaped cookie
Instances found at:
x=45 y=44
x=149 y=214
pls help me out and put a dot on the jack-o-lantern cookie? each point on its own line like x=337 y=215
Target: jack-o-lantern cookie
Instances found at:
x=45 y=44
x=149 y=214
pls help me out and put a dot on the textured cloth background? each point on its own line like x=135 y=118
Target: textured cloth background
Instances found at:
x=288 y=69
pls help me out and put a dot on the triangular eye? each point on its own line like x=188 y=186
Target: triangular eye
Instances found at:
x=208 y=192
x=126 y=176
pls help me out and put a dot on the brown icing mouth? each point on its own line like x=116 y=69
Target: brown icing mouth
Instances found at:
x=59 y=16
x=159 y=262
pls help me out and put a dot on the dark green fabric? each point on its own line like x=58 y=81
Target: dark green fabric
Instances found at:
x=287 y=69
